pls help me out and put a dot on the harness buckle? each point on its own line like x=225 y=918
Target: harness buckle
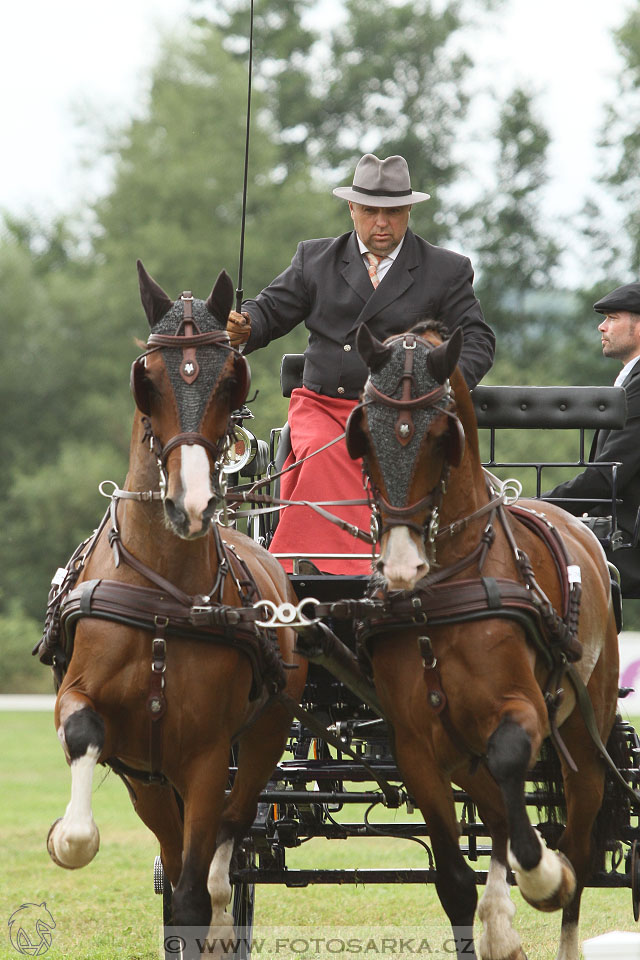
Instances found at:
x=429 y=659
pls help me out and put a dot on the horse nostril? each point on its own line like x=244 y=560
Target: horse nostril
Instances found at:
x=176 y=516
x=210 y=509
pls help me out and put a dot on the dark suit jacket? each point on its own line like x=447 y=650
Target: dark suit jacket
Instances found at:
x=327 y=287
x=614 y=445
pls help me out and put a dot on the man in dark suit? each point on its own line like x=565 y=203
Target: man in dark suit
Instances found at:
x=620 y=330
x=329 y=287
x=380 y=274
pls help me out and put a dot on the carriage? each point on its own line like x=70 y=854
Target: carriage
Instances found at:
x=344 y=747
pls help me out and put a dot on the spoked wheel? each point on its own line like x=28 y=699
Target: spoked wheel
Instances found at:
x=243 y=907
x=162 y=886
x=635 y=879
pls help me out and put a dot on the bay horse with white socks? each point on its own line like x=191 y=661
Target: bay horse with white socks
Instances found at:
x=158 y=699
x=481 y=626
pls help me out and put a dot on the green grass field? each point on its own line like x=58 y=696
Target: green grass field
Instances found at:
x=108 y=910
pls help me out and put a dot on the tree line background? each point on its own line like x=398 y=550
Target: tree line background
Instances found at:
x=393 y=78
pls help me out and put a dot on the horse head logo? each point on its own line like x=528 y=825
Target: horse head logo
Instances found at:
x=30 y=929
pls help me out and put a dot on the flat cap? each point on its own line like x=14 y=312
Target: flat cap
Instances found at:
x=626 y=297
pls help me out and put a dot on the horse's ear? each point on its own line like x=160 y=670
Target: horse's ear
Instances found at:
x=154 y=300
x=355 y=438
x=373 y=352
x=442 y=360
x=140 y=386
x=220 y=299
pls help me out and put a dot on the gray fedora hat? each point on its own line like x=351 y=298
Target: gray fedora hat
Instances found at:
x=381 y=183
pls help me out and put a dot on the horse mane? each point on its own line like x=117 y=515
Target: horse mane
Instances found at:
x=429 y=325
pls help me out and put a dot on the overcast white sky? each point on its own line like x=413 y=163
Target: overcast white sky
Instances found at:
x=56 y=56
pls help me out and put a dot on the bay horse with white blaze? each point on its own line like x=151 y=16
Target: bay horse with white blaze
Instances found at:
x=146 y=691
x=481 y=626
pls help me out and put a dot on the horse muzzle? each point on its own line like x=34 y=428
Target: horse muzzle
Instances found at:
x=191 y=500
x=402 y=561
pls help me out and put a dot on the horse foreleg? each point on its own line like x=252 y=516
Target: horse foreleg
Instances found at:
x=219 y=887
x=584 y=792
x=157 y=807
x=203 y=789
x=496 y=909
x=545 y=878
x=455 y=879
x=500 y=941
x=74 y=839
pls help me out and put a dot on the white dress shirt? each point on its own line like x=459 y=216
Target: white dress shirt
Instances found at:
x=624 y=373
x=386 y=261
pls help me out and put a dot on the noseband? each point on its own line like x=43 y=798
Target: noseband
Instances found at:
x=404 y=430
x=188 y=341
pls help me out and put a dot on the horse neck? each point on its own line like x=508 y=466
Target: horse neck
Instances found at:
x=188 y=564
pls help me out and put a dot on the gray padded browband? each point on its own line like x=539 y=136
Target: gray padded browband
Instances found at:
x=397 y=461
x=192 y=399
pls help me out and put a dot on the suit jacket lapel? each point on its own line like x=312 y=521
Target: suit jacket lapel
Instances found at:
x=395 y=283
x=353 y=271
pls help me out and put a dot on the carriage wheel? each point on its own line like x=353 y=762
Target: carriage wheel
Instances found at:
x=242 y=910
x=635 y=879
x=162 y=886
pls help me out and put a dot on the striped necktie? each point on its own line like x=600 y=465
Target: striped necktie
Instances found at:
x=373 y=268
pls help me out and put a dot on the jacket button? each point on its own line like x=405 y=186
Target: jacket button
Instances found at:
x=340 y=389
x=347 y=347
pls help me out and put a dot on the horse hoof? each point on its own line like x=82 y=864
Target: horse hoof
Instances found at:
x=220 y=930
x=72 y=852
x=517 y=954
x=564 y=893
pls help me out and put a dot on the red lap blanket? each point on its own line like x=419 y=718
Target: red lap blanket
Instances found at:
x=315 y=420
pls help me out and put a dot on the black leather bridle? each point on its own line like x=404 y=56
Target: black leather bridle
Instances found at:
x=187 y=339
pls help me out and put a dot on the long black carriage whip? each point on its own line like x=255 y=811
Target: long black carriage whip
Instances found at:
x=239 y=291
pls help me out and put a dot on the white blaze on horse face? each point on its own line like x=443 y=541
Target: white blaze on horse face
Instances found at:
x=402 y=563
x=196 y=485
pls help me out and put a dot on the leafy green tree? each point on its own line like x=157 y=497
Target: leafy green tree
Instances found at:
x=282 y=49
x=395 y=83
x=21 y=673
x=620 y=146
x=515 y=252
x=53 y=386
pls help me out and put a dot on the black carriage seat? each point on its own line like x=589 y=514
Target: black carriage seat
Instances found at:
x=291 y=370
x=559 y=408
x=552 y=408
